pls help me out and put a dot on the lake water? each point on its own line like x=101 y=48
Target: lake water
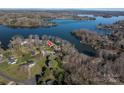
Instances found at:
x=62 y=30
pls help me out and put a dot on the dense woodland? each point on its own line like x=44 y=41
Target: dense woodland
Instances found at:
x=107 y=66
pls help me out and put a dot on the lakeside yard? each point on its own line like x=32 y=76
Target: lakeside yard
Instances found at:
x=28 y=61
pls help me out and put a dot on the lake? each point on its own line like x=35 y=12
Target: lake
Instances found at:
x=62 y=30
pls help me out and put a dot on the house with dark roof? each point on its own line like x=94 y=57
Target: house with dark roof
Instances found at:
x=12 y=60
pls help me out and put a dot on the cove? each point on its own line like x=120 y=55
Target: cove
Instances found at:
x=62 y=30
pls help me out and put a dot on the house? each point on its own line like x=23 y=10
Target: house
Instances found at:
x=50 y=43
x=96 y=60
x=31 y=63
x=12 y=60
x=34 y=53
x=24 y=42
x=57 y=48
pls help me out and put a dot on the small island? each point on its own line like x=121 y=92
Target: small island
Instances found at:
x=76 y=17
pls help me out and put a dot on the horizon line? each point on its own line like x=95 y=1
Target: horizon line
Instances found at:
x=84 y=9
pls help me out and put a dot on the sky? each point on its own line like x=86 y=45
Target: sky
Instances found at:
x=105 y=9
x=62 y=4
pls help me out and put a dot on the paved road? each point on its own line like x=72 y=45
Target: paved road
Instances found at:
x=7 y=77
x=25 y=82
x=31 y=81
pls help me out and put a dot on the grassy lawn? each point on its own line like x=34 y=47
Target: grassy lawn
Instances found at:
x=16 y=71
x=4 y=65
x=3 y=81
x=54 y=63
x=13 y=71
x=37 y=68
